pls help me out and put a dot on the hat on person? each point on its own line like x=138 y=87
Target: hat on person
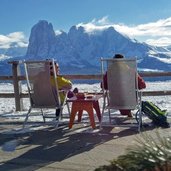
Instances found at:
x=118 y=56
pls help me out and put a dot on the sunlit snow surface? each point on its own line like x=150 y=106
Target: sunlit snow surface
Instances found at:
x=7 y=105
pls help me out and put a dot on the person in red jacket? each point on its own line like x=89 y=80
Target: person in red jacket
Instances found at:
x=141 y=85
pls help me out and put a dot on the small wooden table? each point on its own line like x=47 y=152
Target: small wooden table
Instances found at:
x=88 y=103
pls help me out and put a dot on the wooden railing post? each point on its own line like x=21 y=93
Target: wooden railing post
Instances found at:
x=17 y=85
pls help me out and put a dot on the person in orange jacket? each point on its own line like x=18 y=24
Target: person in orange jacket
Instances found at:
x=141 y=85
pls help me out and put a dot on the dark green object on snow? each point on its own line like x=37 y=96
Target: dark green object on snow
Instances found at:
x=153 y=112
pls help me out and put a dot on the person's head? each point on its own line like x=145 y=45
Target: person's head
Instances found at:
x=118 y=56
x=56 y=68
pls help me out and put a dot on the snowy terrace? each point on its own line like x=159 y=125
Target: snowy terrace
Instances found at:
x=17 y=89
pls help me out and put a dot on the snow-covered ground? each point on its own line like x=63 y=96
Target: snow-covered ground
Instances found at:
x=7 y=106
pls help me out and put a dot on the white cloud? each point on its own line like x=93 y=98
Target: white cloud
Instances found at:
x=163 y=41
x=155 y=33
x=159 y=28
x=96 y=25
x=58 y=32
x=103 y=21
x=17 y=38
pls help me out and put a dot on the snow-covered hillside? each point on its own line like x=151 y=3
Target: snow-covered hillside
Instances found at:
x=82 y=48
x=79 y=50
x=8 y=105
x=8 y=113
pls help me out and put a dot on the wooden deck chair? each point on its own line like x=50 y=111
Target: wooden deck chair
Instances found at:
x=41 y=93
x=122 y=84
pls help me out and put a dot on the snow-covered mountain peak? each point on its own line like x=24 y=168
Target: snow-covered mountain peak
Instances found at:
x=80 y=47
x=83 y=46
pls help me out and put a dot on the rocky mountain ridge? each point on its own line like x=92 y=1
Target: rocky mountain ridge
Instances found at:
x=79 y=51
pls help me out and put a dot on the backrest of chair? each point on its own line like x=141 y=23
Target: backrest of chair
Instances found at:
x=41 y=92
x=122 y=83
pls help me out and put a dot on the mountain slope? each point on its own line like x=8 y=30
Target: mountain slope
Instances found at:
x=79 y=51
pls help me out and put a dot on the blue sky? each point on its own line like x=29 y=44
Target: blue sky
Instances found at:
x=145 y=20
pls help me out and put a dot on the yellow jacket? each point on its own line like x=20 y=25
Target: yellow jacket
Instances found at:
x=63 y=84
